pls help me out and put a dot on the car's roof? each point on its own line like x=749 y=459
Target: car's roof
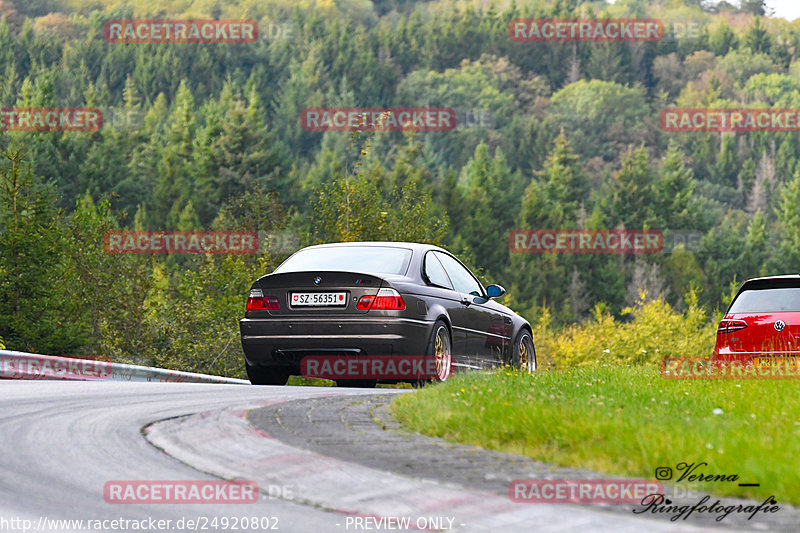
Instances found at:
x=415 y=246
x=783 y=276
x=767 y=279
x=772 y=282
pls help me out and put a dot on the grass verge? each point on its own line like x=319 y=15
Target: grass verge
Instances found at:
x=625 y=421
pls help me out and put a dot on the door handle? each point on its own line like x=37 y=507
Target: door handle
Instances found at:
x=465 y=301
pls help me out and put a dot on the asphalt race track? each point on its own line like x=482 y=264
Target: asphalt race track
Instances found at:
x=62 y=442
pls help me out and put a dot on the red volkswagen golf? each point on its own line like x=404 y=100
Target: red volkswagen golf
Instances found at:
x=762 y=321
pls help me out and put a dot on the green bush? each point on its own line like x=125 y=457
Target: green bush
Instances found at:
x=655 y=331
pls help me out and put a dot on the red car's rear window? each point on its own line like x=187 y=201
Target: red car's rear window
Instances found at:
x=768 y=296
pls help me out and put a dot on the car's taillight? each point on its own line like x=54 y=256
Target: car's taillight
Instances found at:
x=256 y=301
x=729 y=326
x=387 y=299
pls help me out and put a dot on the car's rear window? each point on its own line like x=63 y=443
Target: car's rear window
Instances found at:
x=368 y=259
x=767 y=301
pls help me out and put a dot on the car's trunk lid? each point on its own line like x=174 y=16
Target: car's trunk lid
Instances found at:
x=318 y=293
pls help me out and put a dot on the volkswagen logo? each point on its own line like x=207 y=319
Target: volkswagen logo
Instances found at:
x=318 y=280
x=779 y=325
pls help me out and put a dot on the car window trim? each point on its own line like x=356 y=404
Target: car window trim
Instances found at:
x=427 y=278
x=480 y=285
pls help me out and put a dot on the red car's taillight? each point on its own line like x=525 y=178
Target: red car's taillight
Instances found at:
x=729 y=326
x=256 y=301
x=387 y=299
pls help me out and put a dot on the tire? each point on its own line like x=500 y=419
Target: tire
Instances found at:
x=440 y=347
x=524 y=352
x=267 y=376
x=358 y=383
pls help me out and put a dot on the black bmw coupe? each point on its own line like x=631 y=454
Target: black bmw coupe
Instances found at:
x=388 y=301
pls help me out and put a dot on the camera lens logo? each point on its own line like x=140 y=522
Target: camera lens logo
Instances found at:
x=663 y=473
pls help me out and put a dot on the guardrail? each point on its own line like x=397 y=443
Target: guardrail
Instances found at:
x=21 y=365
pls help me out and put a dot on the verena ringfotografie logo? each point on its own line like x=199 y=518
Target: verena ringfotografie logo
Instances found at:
x=170 y=492
x=548 y=30
x=586 y=241
x=181 y=242
x=50 y=119
x=180 y=31
x=44 y=367
x=399 y=367
x=582 y=490
x=378 y=119
x=685 y=120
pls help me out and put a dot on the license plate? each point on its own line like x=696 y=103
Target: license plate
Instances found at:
x=792 y=361
x=322 y=299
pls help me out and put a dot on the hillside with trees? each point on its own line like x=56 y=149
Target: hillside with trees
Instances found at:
x=208 y=136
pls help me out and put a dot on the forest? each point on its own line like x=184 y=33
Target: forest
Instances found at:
x=549 y=135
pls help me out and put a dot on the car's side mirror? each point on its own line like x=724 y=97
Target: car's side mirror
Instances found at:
x=495 y=291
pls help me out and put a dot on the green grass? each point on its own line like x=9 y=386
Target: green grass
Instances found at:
x=310 y=382
x=314 y=382
x=626 y=421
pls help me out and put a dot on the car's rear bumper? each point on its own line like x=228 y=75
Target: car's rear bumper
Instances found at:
x=283 y=342
x=723 y=353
